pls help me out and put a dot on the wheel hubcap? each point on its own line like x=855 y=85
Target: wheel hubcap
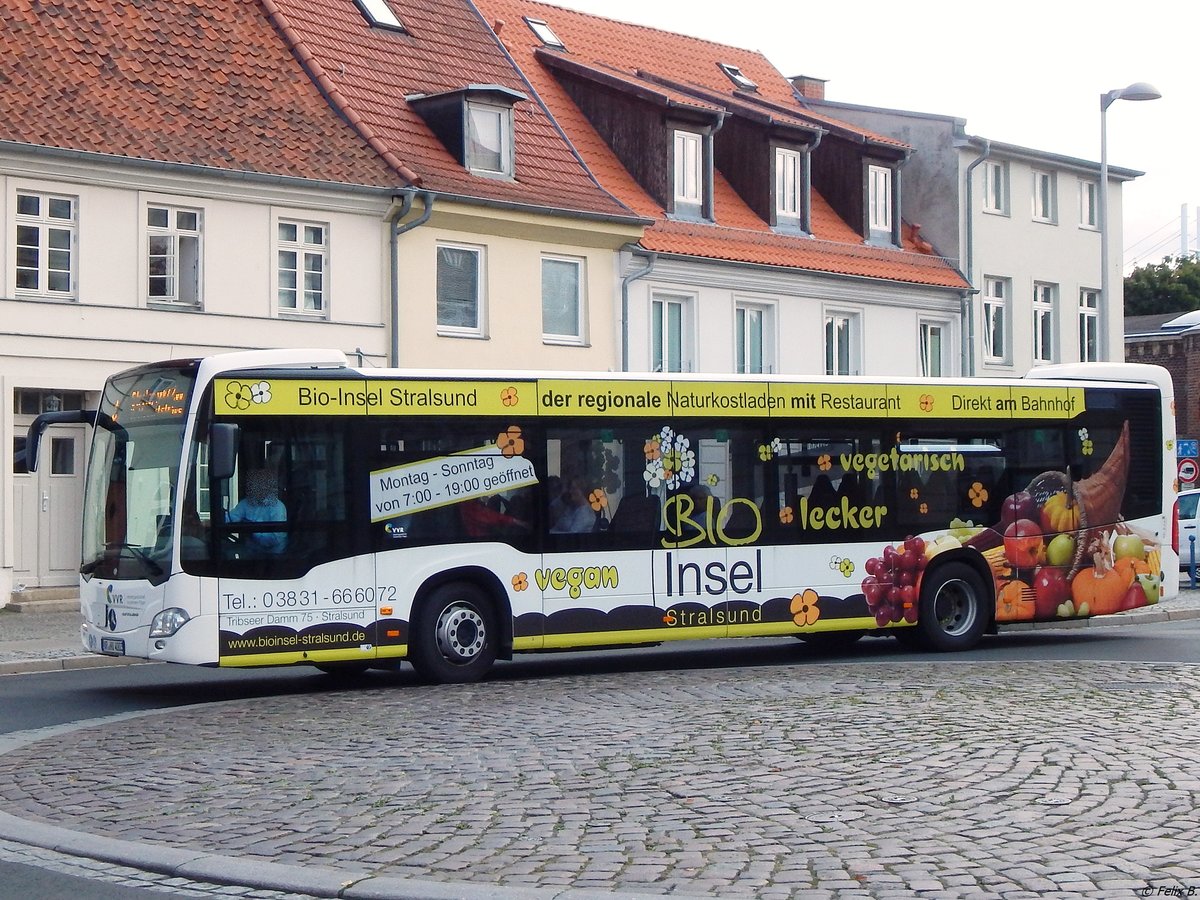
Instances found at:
x=460 y=633
x=954 y=607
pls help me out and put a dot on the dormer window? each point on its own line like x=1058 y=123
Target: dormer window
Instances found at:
x=689 y=171
x=379 y=13
x=475 y=124
x=489 y=139
x=879 y=203
x=737 y=76
x=545 y=33
x=790 y=207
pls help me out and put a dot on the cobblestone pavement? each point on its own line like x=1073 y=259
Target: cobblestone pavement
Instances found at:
x=940 y=779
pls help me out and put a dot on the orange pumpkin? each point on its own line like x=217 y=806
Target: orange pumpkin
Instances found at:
x=1015 y=602
x=1131 y=567
x=1101 y=591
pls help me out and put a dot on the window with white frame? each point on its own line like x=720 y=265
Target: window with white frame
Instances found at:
x=670 y=333
x=789 y=185
x=755 y=338
x=842 y=340
x=1089 y=204
x=46 y=230
x=173 y=255
x=460 y=295
x=879 y=200
x=996 y=292
x=378 y=12
x=490 y=140
x=995 y=186
x=689 y=168
x=302 y=257
x=562 y=299
x=1044 y=207
x=1043 y=321
x=934 y=345
x=1089 y=325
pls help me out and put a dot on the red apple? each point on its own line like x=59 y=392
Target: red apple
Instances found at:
x=1016 y=507
x=1134 y=597
x=1050 y=588
x=1023 y=543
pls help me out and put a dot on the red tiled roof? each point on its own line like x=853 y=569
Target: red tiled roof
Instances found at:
x=446 y=47
x=203 y=82
x=738 y=233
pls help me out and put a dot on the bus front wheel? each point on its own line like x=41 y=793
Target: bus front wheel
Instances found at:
x=954 y=608
x=454 y=635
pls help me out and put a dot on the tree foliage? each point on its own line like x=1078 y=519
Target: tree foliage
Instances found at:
x=1172 y=285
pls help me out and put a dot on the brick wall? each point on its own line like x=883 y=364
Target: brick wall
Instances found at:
x=1179 y=355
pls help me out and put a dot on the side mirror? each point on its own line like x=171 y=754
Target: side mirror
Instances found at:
x=223 y=439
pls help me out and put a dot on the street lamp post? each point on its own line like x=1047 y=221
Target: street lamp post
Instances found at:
x=1139 y=90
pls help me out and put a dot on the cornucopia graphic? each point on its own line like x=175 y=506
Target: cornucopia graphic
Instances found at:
x=1061 y=548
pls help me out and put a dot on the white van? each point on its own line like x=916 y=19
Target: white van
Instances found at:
x=1189 y=527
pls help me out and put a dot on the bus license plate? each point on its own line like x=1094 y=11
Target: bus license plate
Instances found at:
x=113 y=646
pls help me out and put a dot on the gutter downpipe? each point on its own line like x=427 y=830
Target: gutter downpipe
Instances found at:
x=806 y=222
x=968 y=354
x=406 y=202
x=651 y=259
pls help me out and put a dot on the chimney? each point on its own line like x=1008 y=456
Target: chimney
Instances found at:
x=812 y=88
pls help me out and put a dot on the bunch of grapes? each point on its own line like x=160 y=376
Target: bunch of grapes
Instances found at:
x=891 y=583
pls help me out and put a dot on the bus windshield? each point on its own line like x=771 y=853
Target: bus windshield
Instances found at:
x=133 y=473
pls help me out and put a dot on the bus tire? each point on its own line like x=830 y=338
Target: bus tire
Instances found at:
x=454 y=634
x=954 y=608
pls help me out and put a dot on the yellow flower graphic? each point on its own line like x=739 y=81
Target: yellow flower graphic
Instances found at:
x=824 y=462
x=804 y=608
x=914 y=494
x=764 y=452
x=520 y=581
x=847 y=567
x=786 y=515
x=509 y=397
x=510 y=441
x=1088 y=447
x=598 y=500
x=978 y=495
x=653 y=448
x=712 y=480
x=924 y=509
x=926 y=402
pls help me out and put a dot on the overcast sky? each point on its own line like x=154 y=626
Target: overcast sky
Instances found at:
x=1021 y=72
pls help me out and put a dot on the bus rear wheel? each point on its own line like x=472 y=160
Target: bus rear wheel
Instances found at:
x=954 y=609
x=454 y=635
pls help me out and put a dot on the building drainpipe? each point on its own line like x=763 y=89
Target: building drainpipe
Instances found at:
x=806 y=222
x=651 y=259
x=969 y=258
x=397 y=229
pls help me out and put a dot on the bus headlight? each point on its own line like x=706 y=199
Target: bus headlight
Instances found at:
x=167 y=622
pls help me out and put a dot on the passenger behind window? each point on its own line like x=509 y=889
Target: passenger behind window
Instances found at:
x=261 y=504
x=577 y=515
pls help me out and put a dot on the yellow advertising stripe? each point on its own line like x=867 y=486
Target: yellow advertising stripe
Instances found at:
x=577 y=397
x=455 y=398
x=766 y=629
x=296 y=656
x=393 y=651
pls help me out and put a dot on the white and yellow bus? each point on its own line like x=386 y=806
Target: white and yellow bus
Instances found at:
x=283 y=507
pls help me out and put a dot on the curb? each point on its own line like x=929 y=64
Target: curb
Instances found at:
x=1144 y=616
x=66 y=664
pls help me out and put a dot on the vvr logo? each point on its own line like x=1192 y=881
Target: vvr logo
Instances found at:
x=110 y=611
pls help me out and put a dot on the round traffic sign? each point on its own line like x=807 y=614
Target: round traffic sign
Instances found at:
x=1188 y=471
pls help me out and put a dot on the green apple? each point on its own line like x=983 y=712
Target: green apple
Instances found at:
x=1061 y=550
x=1129 y=546
x=1152 y=585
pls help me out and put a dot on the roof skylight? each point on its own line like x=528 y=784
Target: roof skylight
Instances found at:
x=736 y=76
x=545 y=33
x=379 y=13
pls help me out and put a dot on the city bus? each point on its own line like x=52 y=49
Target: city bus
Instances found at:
x=284 y=507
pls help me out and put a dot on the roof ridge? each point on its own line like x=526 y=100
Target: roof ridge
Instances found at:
x=673 y=34
x=316 y=71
